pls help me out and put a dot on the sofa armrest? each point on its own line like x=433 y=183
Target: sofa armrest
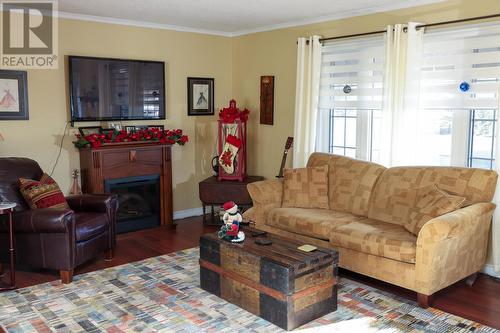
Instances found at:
x=452 y=246
x=266 y=191
x=43 y=221
x=266 y=195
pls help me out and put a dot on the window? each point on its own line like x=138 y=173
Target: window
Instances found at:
x=458 y=97
x=350 y=102
x=459 y=88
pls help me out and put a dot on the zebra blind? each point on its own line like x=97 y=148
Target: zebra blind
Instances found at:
x=356 y=64
x=454 y=56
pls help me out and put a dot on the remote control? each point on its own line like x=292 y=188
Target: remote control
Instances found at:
x=258 y=233
x=263 y=241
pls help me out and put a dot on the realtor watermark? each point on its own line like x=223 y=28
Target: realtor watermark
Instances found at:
x=29 y=34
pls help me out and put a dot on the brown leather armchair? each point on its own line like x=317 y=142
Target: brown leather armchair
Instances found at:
x=59 y=239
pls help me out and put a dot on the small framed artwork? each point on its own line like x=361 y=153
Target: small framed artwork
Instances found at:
x=158 y=127
x=130 y=129
x=84 y=131
x=200 y=96
x=13 y=95
x=106 y=131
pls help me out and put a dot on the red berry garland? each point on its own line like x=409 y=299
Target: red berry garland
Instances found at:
x=153 y=135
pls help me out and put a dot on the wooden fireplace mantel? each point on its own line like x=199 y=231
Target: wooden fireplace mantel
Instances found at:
x=129 y=159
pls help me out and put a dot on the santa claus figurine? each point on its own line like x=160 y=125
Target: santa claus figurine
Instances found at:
x=230 y=228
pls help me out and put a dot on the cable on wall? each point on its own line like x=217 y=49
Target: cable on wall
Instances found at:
x=60 y=148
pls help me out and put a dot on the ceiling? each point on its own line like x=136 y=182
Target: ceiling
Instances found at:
x=225 y=17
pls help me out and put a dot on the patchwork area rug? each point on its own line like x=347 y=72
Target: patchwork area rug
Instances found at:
x=162 y=295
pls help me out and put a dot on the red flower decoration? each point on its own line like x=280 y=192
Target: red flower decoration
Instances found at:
x=230 y=114
x=153 y=134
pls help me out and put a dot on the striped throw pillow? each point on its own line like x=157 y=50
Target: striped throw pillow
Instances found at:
x=43 y=193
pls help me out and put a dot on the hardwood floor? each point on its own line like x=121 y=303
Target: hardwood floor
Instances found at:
x=480 y=303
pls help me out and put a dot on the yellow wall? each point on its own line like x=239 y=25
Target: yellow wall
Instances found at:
x=185 y=54
x=274 y=53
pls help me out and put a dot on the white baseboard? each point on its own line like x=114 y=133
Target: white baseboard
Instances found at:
x=490 y=270
x=182 y=214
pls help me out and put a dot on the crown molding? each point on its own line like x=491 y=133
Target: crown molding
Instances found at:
x=141 y=24
x=337 y=16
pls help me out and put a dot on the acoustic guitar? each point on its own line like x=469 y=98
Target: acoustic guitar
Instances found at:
x=288 y=146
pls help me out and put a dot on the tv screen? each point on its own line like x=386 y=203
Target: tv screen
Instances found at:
x=116 y=89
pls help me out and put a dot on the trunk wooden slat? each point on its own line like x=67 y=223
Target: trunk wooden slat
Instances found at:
x=277 y=282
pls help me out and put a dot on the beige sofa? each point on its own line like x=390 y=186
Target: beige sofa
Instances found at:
x=368 y=232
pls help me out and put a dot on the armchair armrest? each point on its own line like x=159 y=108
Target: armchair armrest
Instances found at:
x=103 y=203
x=100 y=203
x=452 y=246
x=43 y=221
x=265 y=195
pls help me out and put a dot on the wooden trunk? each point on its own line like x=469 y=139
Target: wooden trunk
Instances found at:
x=128 y=159
x=277 y=282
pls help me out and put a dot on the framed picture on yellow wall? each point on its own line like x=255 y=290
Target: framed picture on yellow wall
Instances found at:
x=200 y=96
x=13 y=95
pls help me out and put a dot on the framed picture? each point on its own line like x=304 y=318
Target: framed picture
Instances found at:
x=160 y=127
x=90 y=130
x=130 y=129
x=200 y=96
x=106 y=131
x=13 y=95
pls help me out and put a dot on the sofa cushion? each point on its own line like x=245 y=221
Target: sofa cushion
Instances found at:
x=89 y=225
x=306 y=187
x=315 y=223
x=476 y=185
x=430 y=202
x=350 y=181
x=377 y=238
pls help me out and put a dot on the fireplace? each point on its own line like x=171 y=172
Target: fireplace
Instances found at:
x=139 y=202
x=115 y=162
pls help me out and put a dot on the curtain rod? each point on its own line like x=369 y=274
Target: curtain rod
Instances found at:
x=417 y=27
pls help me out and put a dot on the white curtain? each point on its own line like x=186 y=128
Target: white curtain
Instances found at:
x=495 y=228
x=403 y=47
x=306 y=99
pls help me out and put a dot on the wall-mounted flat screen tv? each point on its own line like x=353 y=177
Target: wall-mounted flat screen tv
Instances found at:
x=116 y=89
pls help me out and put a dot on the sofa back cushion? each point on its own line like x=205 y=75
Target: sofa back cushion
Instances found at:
x=476 y=185
x=350 y=181
x=306 y=187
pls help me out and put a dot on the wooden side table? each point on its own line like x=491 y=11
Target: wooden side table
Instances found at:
x=214 y=193
x=8 y=209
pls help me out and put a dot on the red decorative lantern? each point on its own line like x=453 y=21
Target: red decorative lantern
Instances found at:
x=232 y=126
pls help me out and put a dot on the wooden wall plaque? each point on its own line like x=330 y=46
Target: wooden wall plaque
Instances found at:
x=267 y=100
